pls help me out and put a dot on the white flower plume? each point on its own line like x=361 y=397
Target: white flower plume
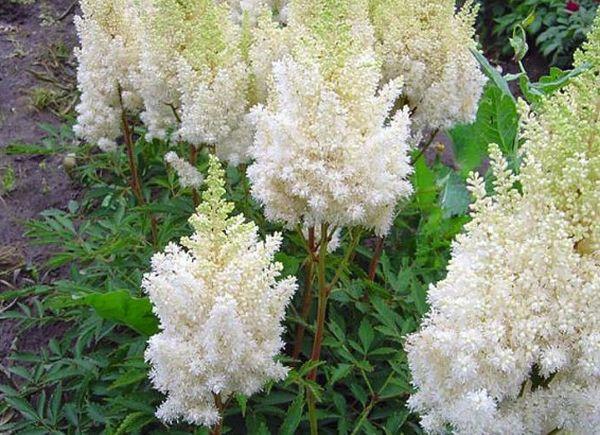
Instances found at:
x=220 y=308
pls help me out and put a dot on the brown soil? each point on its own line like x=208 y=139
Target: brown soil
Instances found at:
x=32 y=39
x=30 y=36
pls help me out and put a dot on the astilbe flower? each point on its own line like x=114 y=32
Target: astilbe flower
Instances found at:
x=220 y=308
x=512 y=341
x=194 y=78
x=327 y=147
x=189 y=176
x=107 y=58
x=251 y=9
x=428 y=43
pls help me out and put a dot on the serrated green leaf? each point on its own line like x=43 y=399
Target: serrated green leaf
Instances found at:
x=366 y=334
x=23 y=406
x=293 y=416
x=340 y=372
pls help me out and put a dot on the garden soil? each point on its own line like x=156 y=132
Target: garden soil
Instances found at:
x=36 y=61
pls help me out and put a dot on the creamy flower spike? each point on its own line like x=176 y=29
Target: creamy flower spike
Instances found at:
x=220 y=306
x=189 y=176
x=108 y=57
x=512 y=341
x=428 y=44
x=326 y=147
x=251 y=9
x=194 y=76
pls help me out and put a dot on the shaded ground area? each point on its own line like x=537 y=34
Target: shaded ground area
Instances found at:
x=36 y=87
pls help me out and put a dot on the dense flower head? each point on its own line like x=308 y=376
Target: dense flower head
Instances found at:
x=511 y=343
x=563 y=148
x=194 y=78
x=428 y=43
x=189 y=175
x=251 y=9
x=108 y=57
x=220 y=308
x=324 y=115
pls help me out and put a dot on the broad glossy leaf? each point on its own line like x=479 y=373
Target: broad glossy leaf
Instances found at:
x=119 y=306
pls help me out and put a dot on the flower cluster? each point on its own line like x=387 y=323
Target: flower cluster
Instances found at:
x=188 y=175
x=195 y=48
x=429 y=44
x=220 y=306
x=107 y=60
x=195 y=68
x=326 y=147
x=511 y=343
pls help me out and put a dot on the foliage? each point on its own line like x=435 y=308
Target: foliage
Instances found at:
x=555 y=30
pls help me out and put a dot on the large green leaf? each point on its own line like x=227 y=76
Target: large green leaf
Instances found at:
x=119 y=306
x=497 y=122
x=455 y=197
x=425 y=187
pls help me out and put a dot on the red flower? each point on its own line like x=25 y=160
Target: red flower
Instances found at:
x=572 y=6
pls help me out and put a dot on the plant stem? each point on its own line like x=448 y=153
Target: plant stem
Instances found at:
x=322 y=301
x=216 y=429
x=135 y=177
x=376 y=257
x=312 y=413
x=307 y=296
x=193 y=162
x=135 y=182
x=425 y=147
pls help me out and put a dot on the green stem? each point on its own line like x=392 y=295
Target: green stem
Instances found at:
x=312 y=413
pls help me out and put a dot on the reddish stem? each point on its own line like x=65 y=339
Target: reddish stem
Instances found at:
x=324 y=291
x=193 y=162
x=135 y=182
x=307 y=297
x=376 y=257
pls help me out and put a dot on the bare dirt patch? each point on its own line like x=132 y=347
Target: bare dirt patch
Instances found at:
x=36 y=87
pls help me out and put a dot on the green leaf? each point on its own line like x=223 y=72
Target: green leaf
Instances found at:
x=242 y=401
x=134 y=422
x=519 y=42
x=455 y=198
x=493 y=74
x=425 y=187
x=129 y=377
x=553 y=82
x=293 y=416
x=23 y=406
x=366 y=334
x=291 y=264
x=119 y=306
x=340 y=372
x=497 y=122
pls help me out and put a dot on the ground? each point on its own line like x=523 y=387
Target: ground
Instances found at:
x=36 y=85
